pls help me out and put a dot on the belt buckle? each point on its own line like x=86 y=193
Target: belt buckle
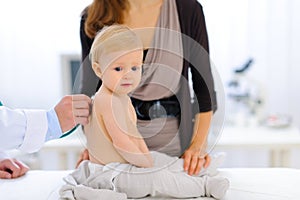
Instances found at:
x=157 y=111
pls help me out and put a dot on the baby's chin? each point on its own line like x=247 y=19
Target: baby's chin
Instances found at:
x=124 y=91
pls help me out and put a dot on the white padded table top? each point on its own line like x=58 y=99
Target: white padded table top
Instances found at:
x=245 y=184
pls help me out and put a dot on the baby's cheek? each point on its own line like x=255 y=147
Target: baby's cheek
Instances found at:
x=137 y=82
x=138 y=79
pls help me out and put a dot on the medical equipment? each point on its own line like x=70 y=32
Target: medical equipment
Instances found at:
x=74 y=128
x=245 y=97
x=69 y=132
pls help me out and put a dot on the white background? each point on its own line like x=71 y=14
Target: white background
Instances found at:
x=35 y=33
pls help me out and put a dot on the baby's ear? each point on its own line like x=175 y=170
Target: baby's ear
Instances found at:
x=97 y=69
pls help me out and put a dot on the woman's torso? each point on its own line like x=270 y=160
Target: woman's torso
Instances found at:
x=167 y=139
x=144 y=20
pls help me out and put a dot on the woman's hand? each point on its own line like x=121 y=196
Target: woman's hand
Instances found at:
x=194 y=161
x=12 y=168
x=195 y=157
x=83 y=156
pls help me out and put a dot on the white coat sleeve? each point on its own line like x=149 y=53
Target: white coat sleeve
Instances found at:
x=22 y=129
x=3 y=155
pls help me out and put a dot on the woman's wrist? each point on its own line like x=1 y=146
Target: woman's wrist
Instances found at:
x=199 y=146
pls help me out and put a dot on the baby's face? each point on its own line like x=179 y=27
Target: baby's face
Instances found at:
x=124 y=73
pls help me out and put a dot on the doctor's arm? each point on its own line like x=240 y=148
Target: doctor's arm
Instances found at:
x=27 y=130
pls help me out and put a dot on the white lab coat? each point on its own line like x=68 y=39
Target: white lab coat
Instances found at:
x=22 y=129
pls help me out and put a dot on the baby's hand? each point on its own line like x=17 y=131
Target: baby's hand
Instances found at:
x=83 y=156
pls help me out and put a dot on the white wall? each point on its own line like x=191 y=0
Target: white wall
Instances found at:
x=33 y=35
x=266 y=30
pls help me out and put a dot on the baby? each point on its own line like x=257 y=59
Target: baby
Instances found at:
x=120 y=163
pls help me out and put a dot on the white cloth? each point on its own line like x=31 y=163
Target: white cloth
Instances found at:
x=22 y=129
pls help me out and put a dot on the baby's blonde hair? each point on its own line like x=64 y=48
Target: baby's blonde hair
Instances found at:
x=112 y=39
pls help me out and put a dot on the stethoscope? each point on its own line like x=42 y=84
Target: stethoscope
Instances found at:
x=75 y=127
x=70 y=131
x=64 y=134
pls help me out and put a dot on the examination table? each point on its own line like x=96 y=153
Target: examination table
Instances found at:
x=245 y=184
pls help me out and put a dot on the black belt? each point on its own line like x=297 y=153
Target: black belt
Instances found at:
x=162 y=108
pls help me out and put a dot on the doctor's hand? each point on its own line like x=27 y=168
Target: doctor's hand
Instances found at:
x=193 y=162
x=12 y=168
x=73 y=110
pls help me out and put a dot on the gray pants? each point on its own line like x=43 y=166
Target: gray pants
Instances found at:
x=166 y=178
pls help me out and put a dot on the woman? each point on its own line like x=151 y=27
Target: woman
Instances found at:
x=162 y=100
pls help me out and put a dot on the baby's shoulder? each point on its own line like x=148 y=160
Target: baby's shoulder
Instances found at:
x=102 y=102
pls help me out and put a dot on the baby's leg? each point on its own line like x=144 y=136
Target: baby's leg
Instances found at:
x=216 y=161
x=160 y=183
x=167 y=178
x=216 y=186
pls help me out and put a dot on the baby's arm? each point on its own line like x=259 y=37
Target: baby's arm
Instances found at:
x=133 y=124
x=125 y=136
